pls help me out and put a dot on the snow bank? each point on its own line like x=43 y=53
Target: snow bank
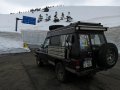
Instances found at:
x=11 y=43
x=34 y=37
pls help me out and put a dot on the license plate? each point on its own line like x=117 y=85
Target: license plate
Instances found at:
x=87 y=63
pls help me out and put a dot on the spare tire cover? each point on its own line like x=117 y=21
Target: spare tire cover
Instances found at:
x=108 y=56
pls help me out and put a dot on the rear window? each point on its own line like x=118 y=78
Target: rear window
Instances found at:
x=97 y=39
x=84 y=42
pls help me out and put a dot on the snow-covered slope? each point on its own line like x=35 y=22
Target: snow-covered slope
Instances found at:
x=109 y=16
x=113 y=36
x=109 y=21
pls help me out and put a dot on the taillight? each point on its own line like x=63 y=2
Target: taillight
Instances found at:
x=77 y=64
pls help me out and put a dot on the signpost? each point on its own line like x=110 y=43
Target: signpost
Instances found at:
x=29 y=20
x=17 y=23
x=26 y=20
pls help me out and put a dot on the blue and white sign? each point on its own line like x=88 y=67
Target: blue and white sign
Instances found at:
x=29 y=20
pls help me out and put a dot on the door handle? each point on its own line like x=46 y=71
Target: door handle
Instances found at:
x=89 y=52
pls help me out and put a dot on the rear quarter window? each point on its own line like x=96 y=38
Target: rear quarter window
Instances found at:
x=97 y=39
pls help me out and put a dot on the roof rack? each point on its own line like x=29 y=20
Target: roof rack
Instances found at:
x=75 y=27
x=88 y=26
x=92 y=28
x=85 y=24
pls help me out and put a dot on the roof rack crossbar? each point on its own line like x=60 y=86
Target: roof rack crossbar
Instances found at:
x=93 y=28
x=86 y=24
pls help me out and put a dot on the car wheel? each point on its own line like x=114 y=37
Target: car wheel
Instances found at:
x=60 y=72
x=39 y=62
x=108 y=55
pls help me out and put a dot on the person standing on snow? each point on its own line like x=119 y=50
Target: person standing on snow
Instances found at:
x=46 y=17
x=40 y=18
x=62 y=16
x=69 y=18
x=49 y=18
x=56 y=18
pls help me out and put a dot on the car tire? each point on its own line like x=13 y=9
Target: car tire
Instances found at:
x=60 y=72
x=39 y=62
x=108 y=56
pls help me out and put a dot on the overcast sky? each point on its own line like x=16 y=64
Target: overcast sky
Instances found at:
x=13 y=6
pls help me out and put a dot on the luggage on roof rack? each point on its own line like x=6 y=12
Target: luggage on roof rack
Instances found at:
x=85 y=24
x=53 y=27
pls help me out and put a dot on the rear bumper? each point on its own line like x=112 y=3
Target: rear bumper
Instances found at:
x=87 y=71
x=84 y=72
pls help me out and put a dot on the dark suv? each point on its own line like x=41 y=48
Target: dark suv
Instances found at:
x=80 y=48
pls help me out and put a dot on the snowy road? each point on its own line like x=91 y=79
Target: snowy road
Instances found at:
x=20 y=72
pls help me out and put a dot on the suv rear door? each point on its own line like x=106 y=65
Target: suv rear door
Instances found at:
x=85 y=51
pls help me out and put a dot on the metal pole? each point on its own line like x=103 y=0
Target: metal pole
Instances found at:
x=16 y=24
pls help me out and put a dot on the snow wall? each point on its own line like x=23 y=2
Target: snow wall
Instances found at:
x=33 y=37
x=11 y=42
